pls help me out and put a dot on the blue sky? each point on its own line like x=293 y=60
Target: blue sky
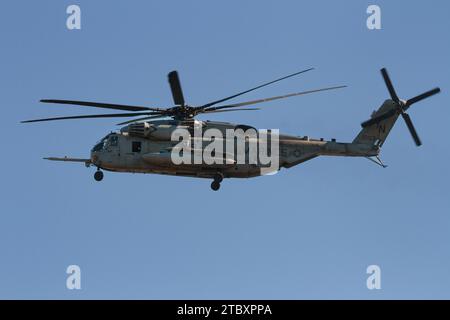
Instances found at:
x=307 y=232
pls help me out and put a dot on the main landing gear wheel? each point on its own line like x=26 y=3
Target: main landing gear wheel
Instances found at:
x=98 y=175
x=215 y=185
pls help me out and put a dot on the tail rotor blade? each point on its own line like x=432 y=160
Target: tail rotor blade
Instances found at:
x=389 y=85
x=175 y=87
x=411 y=128
x=422 y=96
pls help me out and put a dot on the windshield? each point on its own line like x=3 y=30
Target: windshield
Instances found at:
x=101 y=144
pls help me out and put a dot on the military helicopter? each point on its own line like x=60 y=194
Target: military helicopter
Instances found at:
x=146 y=144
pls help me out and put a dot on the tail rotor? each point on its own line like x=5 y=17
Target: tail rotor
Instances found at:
x=401 y=107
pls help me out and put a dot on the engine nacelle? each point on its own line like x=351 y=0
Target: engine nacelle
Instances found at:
x=142 y=129
x=151 y=131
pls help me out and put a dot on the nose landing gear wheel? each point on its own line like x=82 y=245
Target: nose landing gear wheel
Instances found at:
x=98 y=175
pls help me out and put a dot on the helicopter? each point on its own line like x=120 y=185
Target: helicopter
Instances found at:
x=146 y=144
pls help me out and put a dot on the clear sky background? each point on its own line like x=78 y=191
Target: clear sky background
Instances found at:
x=307 y=232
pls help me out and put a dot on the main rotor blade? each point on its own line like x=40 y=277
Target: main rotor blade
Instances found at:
x=379 y=118
x=422 y=96
x=142 y=119
x=217 y=111
x=273 y=98
x=252 y=89
x=411 y=128
x=175 y=87
x=111 y=115
x=101 y=105
x=389 y=85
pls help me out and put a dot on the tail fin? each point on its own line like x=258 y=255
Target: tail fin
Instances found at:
x=376 y=134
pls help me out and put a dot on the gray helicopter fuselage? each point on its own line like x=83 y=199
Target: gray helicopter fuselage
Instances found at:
x=146 y=147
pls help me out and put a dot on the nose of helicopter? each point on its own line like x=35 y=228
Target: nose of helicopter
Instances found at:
x=95 y=157
x=97 y=151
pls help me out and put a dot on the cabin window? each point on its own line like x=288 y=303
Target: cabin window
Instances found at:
x=136 y=146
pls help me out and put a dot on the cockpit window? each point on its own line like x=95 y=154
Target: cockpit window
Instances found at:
x=98 y=147
x=113 y=140
x=101 y=144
